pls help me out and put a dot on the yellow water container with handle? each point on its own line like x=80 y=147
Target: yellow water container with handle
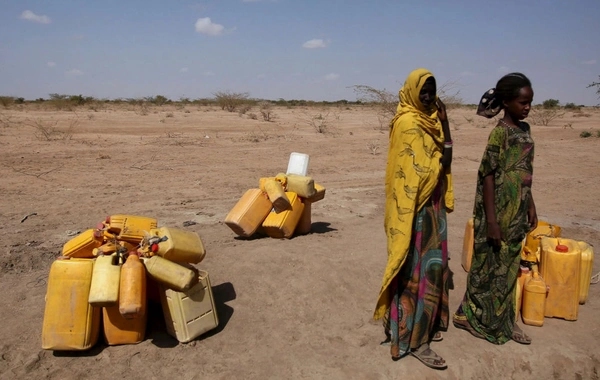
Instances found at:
x=319 y=194
x=191 y=313
x=70 y=322
x=302 y=185
x=175 y=244
x=169 y=274
x=83 y=245
x=560 y=266
x=276 y=195
x=104 y=290
x=534 y=300
x=530 y=251
x=130 y=228
x=523 y=277
x=305 y=223
x=587 y=263
x=249 y=212
x=282 y=225
x=468 y=245
x=120 y=330
x=132 y=288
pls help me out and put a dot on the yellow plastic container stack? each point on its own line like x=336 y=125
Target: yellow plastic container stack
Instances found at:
x=560 y=266
x=70 y=322
x=468 y=241
x=191 y=313
x=180 y=245
x=282 y=225
x=83 y=245
x=587 y=263
x=104 y=289
x=249 y=212
x=534 y=300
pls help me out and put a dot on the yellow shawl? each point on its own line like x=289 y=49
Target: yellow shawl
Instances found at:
x=413 y=171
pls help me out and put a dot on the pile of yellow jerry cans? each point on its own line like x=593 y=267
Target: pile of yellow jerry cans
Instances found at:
x=554 y=276
x=105 y=276
x=280 y=207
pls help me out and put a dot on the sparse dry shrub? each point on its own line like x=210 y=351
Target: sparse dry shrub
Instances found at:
x=7 y=101
x=543 y=116
x=385 y=101
x=48 y=130
x=257 y=135
x=320 y=123
x=373 y=147
x=266 y=110
x=243 y=109
x=230 y=101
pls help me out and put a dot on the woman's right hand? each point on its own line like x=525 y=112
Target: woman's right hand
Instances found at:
x=494 y=233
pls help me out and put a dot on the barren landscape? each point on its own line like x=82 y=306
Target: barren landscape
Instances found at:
x=298 y=308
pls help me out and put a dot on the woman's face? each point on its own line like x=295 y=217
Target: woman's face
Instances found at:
x=427 y=93
x=520 y=106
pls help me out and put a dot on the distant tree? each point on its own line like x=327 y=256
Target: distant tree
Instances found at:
x=550 y=103
x=383 y=98
x=597 y=85
x=230 y=101
x=571 y=106
x=6 y=101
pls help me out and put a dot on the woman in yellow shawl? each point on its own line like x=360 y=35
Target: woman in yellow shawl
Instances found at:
x=413 y=300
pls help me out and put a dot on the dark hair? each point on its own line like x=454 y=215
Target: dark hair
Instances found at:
x=508 y=86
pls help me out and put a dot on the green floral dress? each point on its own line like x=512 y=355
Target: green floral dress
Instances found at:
x=488 y=303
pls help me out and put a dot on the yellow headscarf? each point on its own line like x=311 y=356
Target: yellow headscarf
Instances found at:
x=412 y=173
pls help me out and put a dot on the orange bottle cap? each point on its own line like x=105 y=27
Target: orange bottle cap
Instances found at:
x=562 y=248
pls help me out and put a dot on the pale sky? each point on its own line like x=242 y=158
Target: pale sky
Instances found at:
x=292 y=49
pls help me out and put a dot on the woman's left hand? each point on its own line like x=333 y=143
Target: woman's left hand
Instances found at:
x=533 y=219
x=441 y=110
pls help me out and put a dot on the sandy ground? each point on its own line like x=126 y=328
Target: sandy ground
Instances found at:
x=298 y=308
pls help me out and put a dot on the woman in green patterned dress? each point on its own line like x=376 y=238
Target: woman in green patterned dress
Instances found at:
x=503 y=214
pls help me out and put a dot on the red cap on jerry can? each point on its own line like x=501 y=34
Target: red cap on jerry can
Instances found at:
x=562 y=248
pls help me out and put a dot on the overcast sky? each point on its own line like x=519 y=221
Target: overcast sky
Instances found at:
x=293 y=49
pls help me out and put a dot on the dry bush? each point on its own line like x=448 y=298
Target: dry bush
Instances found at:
x=48 y=130
x=449 y=93
x=543 y=116
x=385 y=101
x=266 y=110
x=580 y=113
x=256 y=136
x=373 y=147
x=243 y=109
x=321 y=123
x=231 y=101
x=6 y=101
